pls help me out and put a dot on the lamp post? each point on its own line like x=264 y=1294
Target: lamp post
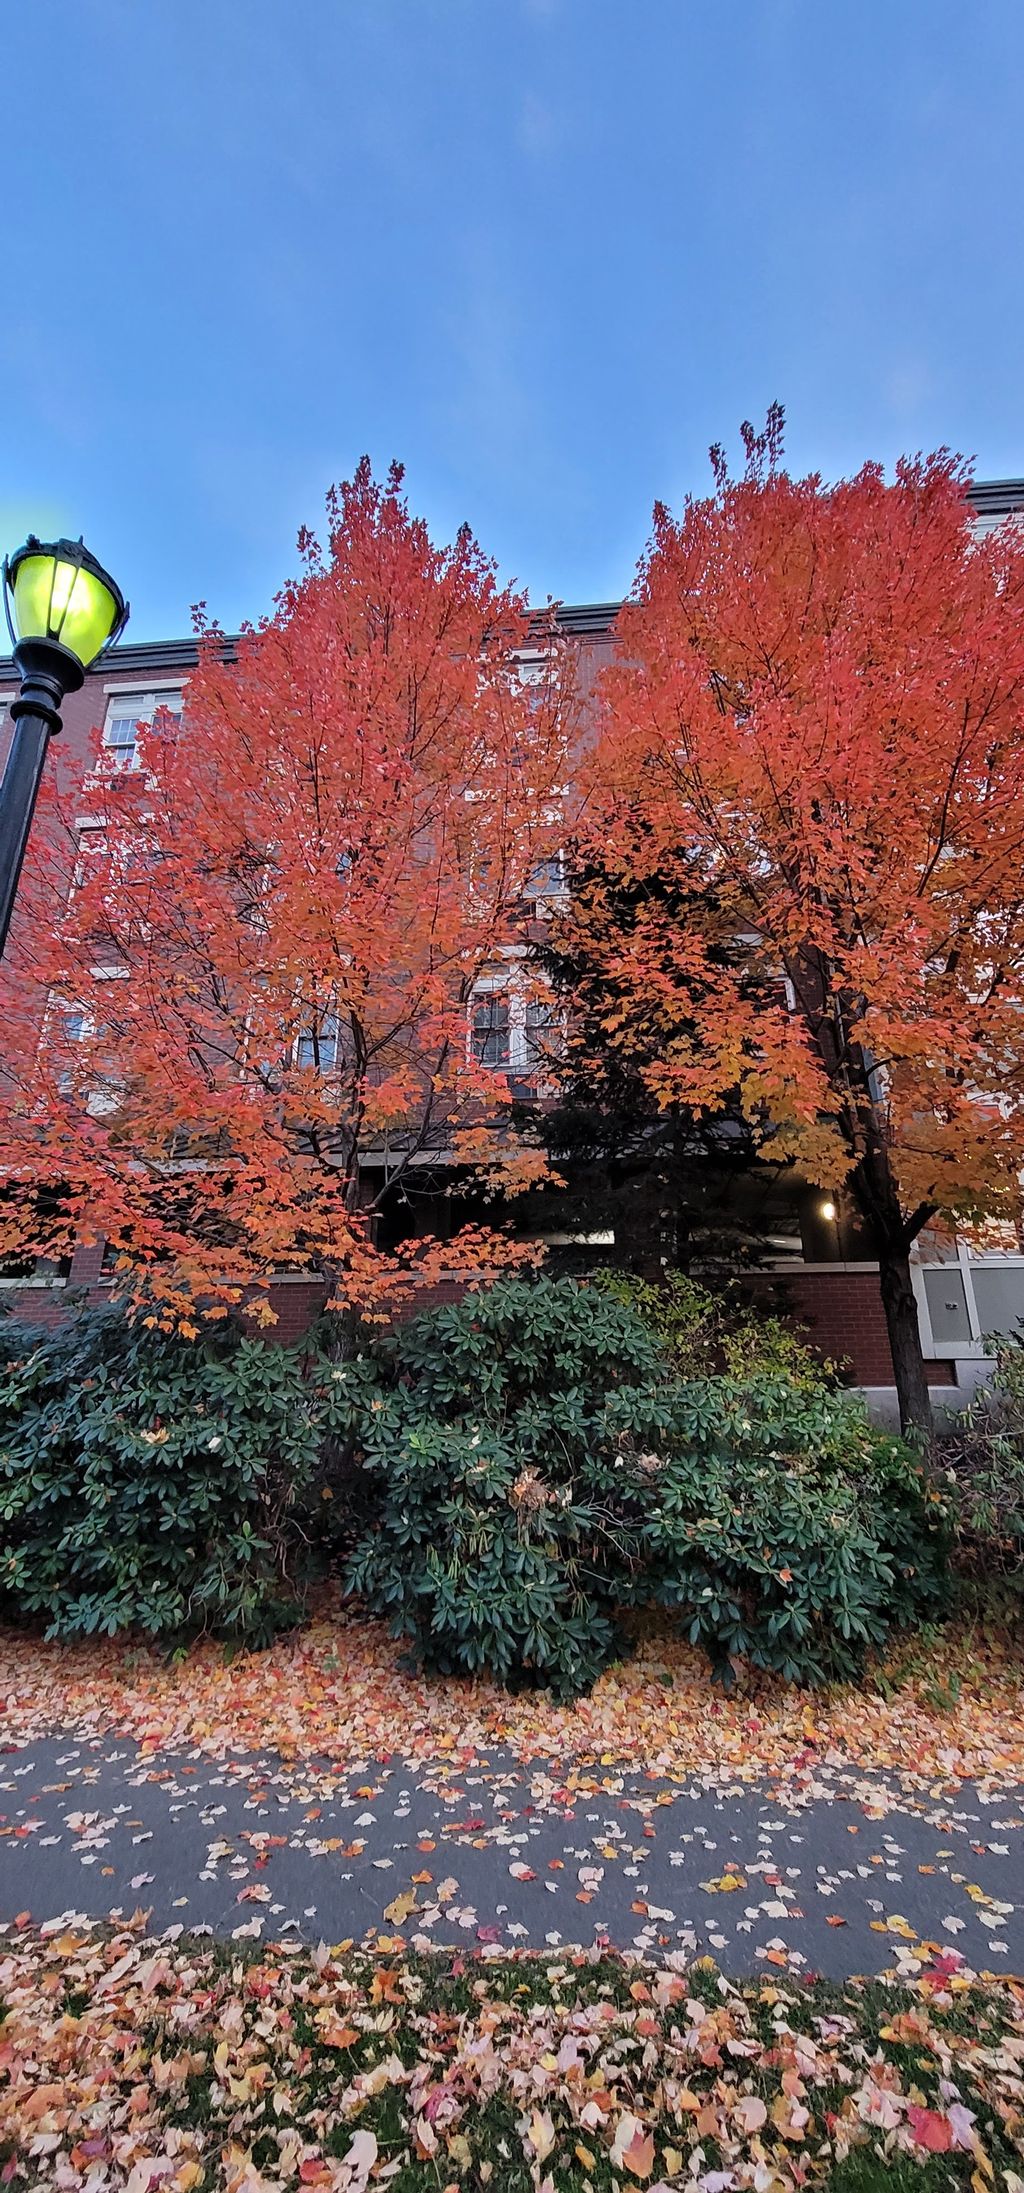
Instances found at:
x=63 y=609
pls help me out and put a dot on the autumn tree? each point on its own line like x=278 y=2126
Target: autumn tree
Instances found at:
x=813 y=734
x=278 y=924
x=660 y=1176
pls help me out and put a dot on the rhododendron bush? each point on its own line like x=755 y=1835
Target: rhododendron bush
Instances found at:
x=530 y=1467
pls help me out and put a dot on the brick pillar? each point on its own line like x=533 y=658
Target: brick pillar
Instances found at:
x=87 y=1264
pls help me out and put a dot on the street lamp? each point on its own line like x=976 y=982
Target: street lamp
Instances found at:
x=63 y=609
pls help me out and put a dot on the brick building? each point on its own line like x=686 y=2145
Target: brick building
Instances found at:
x=808 y=1254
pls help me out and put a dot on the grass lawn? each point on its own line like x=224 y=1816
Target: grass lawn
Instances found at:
x=136 y=2063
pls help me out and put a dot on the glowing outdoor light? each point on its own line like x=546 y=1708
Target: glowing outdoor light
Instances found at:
x=62 y=609
x=57 y=594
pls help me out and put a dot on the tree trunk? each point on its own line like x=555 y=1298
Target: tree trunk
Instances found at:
x=900 y=1306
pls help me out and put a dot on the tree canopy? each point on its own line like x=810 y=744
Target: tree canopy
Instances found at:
x=812 y=735
x=258 y=996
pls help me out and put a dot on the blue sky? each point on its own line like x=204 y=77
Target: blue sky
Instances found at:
x=544 y=251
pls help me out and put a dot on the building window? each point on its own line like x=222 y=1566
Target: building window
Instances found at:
x=512 y=1031
x=317 y=1049
x=72 y=1028
x=547 y=879
x=492 y=1030
x=538 y=1032
x=69 y=1026
x=127 y=715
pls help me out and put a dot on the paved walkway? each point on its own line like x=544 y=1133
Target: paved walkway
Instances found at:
x=835 y=1874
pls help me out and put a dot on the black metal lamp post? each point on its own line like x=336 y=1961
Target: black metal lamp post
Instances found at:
x=63 y=609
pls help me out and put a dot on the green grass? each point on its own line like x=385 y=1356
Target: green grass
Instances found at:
x=234 y=2048
x=866 y=2172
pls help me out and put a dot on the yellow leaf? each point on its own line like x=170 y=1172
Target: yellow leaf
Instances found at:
x=541 y=2134
x=339 y=2036
x=401 y=1906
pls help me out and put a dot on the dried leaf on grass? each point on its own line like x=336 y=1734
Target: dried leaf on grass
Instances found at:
x=130 y=2063
x=340 y=1689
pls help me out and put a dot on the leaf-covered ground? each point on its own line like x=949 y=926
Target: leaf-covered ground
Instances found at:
x=947 y=1710
x=137 y=2063
x=830 y=1871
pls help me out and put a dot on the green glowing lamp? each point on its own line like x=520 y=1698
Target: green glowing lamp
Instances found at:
x=61 y=606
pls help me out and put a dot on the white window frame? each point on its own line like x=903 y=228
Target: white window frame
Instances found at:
x=491 y=987
x=965 y=1265
x=140 y=703
x=103 y=1097
x=556 y=895
x=522 y=1065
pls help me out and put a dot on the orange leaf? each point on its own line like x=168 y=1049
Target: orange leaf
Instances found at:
x=639 y=2155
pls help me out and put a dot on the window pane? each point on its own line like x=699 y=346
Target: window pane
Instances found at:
x=540 y=1028
x=947 y=1305
x=546 y=879
x=166 y=704
x=999 y=1294
x=491 y=1031
x=325 y=1039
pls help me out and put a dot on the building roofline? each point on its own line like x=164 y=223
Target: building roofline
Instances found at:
x=144 y=655
x=991 y=499
x=996 y=498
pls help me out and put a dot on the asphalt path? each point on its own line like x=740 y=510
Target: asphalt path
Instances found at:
x=834 y=1871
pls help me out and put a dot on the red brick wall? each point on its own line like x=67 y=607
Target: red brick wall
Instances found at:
x=840 y=1311
x=296 y=1302
x=843 y=1315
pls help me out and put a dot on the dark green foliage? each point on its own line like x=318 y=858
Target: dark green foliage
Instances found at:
x=982 y=1457
x=655 y=1174
x=154 y=1483
x=700 y=1329
x=521 y=1467
x=524 y=1341
x=532 y=1466
x=786 y=1530
x=494 y=1541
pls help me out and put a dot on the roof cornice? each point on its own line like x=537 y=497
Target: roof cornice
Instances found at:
x=991 y=499
x=145 y=656
x=996 y=498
